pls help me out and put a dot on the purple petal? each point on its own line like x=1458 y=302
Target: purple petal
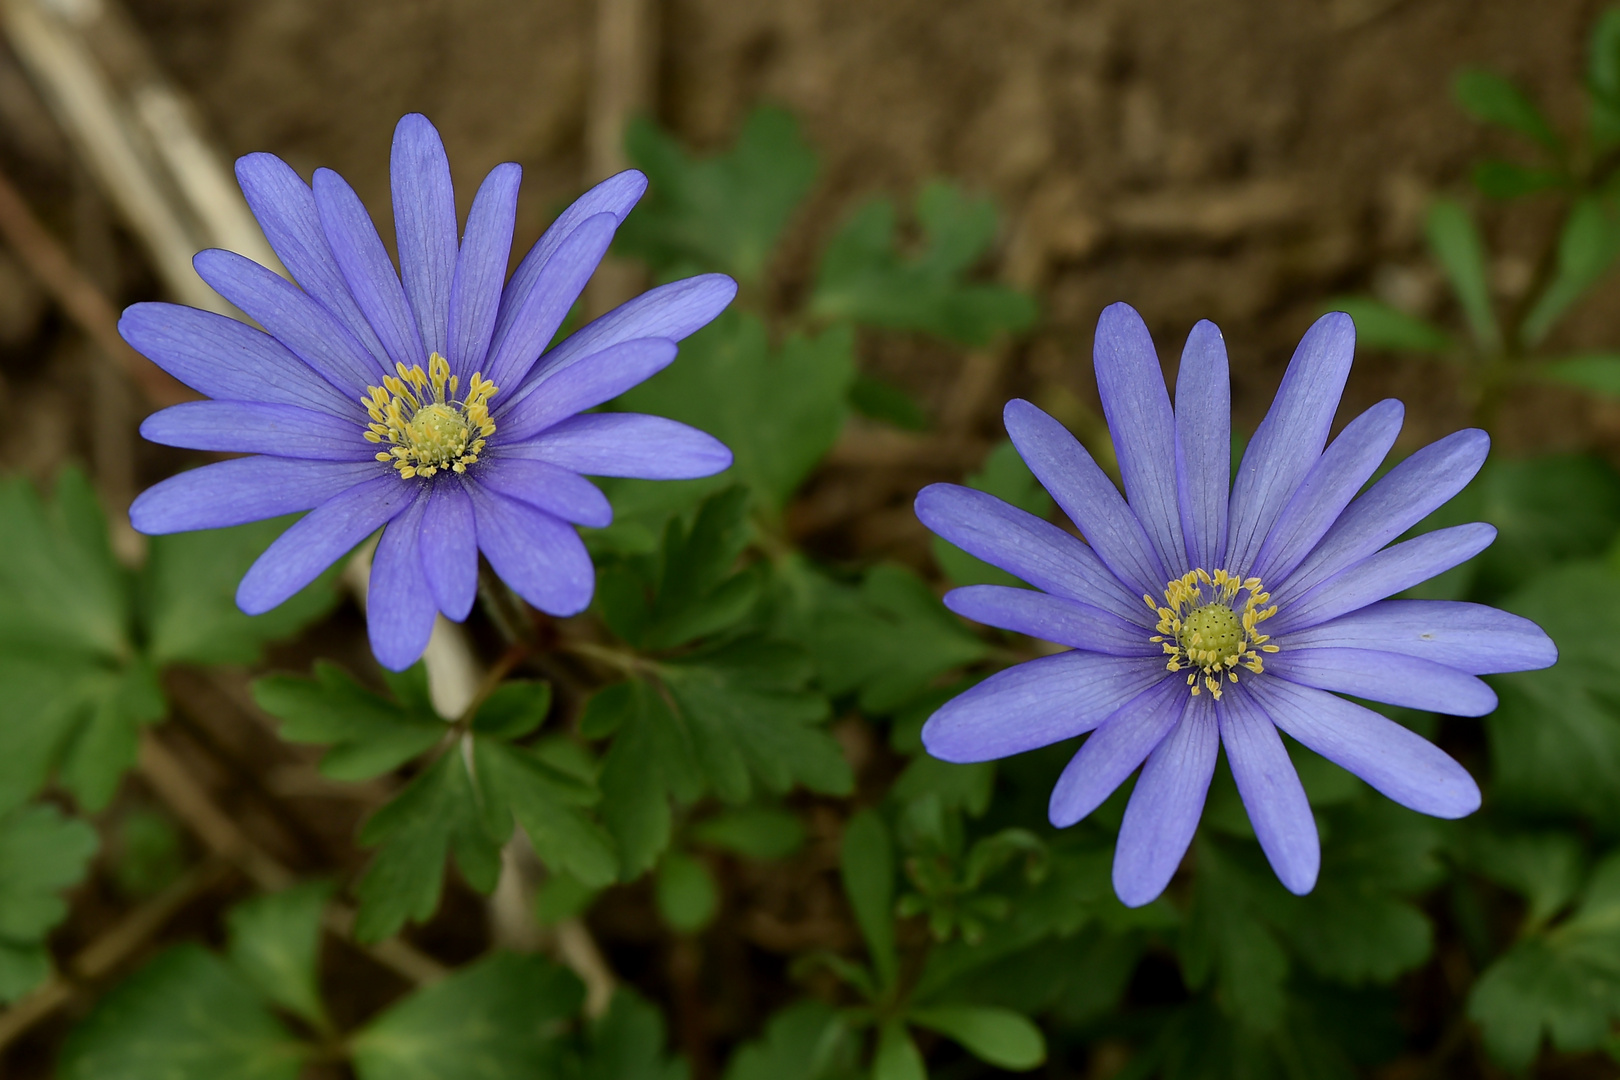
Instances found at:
x=547 y=487
x=627 y=444
x=1384 y=574
x=1026 y=547
x=670 y=311
x=244 y=427
x=424 y=228
x=370 y=276
x=1407 y=768
x=1092 y=502
x=293 y=318
x=1387 y=677
x=1115 y=749
x=1051 y=618
x=1204 y=444
x=540 y=557
x=1137 y=408
x=1290 y=438
x=227 y=359
x=286 y=211
x=529 y=325
x=475 y=293
x=1035 y=704
x=450 y=548
x=1327 y=489
x=1164 y=809
x=1271 y=791
x=399 y=604
x=614 y=196
x=1472 y=638
x=1405 y=496
x=584 y=385
x=319 y=539
x=241 y=490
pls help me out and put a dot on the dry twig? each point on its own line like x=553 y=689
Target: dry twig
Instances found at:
x=109 y=950
x=182 y=794
x=80 y=298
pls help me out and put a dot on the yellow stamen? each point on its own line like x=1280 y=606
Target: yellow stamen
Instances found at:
x=428 y=427
x=1203 y=626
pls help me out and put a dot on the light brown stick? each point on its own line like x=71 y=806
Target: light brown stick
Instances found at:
x=171 y=782
x=109 y=950
x=80 y=298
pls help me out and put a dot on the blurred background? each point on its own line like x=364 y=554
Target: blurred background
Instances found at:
x=1245 y=161
x=1242 y=161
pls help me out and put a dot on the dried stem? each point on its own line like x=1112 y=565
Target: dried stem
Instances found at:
x=79 y=297
x=110 y=950
x=188 y=801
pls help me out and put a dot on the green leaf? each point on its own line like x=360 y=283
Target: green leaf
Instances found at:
x=104 y=747
x=1546 y=868
x=1379 y=326
x=642 y=509
x=1505 y=180
x=966 y=787
x=699 y=591
x=751 y=718
x=1597 y=372
x=1496 y=100
x=1564 y=983
x=513 y=710
x=548 y=802
x=879 y=400
x=721 y=213
x=275 y=944
x=650 y=762
x=436 y=813
x=41 y=854
x=888 y=641
x=496 y=1019
x=1587 y=247
x=189 y=587
x=687 y=896
x=75 y=688
x=1457 y=246
x=1005 y=476
x=1547 y=510
x=1002 y=1037
x=778 y=409
x=62 y=589
x=867 y=863
x=756 y=832
x=897 y=1057
x=368 y=733
x=1377 y=861
x=1603 y=79
x=184 y=1016
x=627 y=1043
x=147 y=853
x=865 y=276
x=22 y=969
x=1226 y=942
x=805 y=1041
x=1555 y=737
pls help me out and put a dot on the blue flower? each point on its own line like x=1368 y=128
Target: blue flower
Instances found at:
x=1205 y=613
x=425 y=401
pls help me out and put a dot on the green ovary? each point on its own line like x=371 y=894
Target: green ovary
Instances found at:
x=438 y=434
x=1213 y=628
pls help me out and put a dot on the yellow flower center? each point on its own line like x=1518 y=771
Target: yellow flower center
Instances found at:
x=1203 y=626
x=428 y=427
